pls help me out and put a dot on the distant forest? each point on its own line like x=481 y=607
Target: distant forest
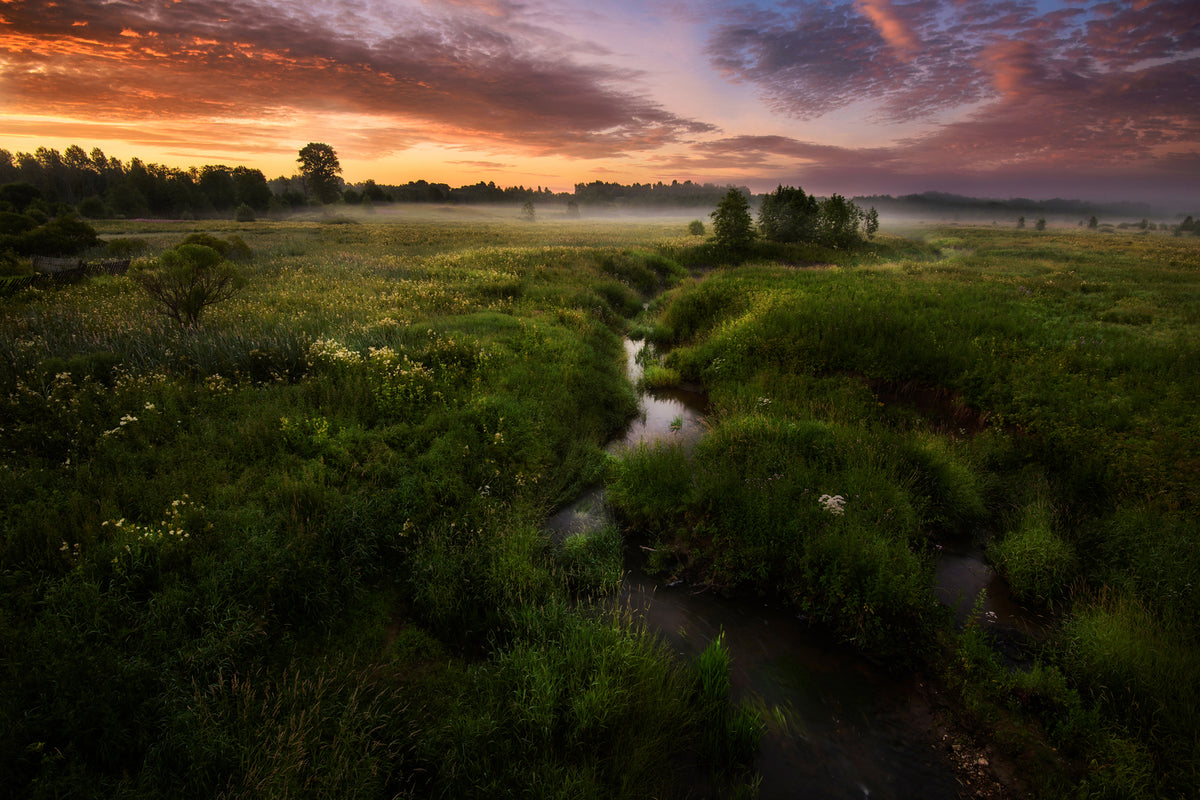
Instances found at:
x=98 y=186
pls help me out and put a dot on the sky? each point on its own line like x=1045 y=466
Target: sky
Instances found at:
x=996 y=98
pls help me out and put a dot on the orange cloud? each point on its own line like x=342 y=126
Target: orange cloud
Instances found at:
x=894 y=30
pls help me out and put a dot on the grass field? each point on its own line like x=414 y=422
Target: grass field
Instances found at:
x=297 y=550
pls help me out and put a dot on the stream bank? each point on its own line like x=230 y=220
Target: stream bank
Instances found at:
x=835 y=724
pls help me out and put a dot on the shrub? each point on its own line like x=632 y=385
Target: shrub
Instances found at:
x=233 y=248
x=696 y=228
x=125 y=247
x=187 y=280
x=65 y=235
x=244 y=213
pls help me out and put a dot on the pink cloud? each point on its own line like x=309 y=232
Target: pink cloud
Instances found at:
x=894 y=29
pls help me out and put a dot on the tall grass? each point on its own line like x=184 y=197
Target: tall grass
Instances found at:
x=209 y=536
x=1063 y=442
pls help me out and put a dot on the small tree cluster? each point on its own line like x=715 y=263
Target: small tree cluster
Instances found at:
x=790 y=215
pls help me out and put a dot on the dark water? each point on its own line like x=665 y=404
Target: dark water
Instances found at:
x=837 y=725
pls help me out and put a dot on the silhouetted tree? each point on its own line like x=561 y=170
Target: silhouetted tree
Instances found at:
x=320 y=167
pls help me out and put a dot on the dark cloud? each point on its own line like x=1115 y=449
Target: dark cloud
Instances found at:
x=461 y=76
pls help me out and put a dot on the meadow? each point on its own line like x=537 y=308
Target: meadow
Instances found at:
x=298 y=549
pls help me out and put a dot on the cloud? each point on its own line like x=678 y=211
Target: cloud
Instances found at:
x=1112 y=88
x=894 y=29
x=459 y=75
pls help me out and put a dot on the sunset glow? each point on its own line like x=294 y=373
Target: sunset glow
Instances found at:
x=1096 y=100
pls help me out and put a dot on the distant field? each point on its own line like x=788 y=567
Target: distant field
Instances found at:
x=297 y=549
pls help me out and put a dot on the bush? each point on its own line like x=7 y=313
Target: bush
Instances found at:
x=696 y=228
x=244 y=213
x=233 y=248
x=65 y=235
x=187 y=280
x=125 y=247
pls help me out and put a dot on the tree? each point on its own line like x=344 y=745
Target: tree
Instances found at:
x=188 y=279
x=839 y=222
x=733 y=230
x=871 y=222
x=788 y=215
x=320 y=167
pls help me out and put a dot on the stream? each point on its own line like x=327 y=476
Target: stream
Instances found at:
x=836 y=725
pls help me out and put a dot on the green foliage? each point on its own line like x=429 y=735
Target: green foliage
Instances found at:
x=64 y=235
x=840 y=221
x=93 y=208
x=1038 y=563
x=695 y=228
x=368 y=568
x=125 y=247
x=644 y=271
x=188 y=279
x=244 y=213
x=732 y=733
x=733 y=229
x=591 y=564
x=789 y=215
x=232 y=248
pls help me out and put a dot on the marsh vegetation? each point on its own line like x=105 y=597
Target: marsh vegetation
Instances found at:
x=299 y=548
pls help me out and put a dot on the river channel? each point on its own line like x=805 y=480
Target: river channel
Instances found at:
x=836 y=725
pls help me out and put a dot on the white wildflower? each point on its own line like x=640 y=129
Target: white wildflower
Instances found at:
x=834 y=504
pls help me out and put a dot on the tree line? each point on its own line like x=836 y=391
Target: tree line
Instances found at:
x=48 y=183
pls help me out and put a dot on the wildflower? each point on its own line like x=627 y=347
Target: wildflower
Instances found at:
x=834 y=504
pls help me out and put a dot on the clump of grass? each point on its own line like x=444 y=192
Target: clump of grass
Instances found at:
x=1038 y=563
x=732 y=732
x=591 y=564
x=656 y=376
